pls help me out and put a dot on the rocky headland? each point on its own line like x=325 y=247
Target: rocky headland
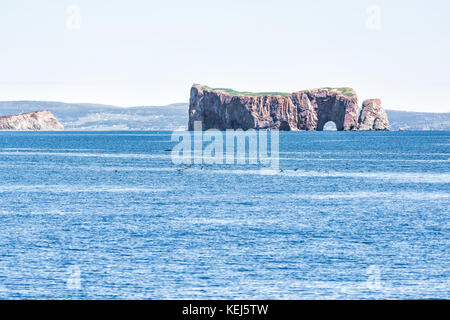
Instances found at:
x=304 y=110
x=39 y=120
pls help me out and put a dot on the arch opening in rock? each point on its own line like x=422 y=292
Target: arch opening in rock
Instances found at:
x=337 y=124
x=329 y=126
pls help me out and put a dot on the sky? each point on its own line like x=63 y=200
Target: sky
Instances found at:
x=133 y=53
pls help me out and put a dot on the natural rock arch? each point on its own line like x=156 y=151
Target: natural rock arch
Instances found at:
x=304 y=110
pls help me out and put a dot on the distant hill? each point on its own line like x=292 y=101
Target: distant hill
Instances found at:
x=418 y=120
x=85 y=116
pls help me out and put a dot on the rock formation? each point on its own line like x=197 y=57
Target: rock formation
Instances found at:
x=39 y=120
x=373 y=116
x=304 y=110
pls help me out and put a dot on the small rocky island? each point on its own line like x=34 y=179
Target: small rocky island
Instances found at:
x=40 y=120
x=304 y=110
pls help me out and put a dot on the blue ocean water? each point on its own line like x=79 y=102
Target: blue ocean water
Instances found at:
x=107 y=215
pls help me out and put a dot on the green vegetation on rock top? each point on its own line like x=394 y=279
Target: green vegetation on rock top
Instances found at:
x=247 y=93
x=344 y=90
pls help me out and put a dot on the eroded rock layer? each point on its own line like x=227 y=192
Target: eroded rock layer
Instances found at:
x=304 y=110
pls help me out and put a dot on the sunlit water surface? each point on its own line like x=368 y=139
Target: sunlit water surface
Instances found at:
x=107 y=215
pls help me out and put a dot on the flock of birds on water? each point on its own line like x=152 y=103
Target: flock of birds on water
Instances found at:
x=206 y=166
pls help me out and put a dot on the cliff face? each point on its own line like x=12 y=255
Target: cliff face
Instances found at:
x=39 y=120
x=373 y=116
x=305 y=110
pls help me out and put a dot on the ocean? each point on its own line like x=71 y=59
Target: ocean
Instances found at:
x=108 y=215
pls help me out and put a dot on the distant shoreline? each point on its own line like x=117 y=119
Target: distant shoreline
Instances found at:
x=94 y=117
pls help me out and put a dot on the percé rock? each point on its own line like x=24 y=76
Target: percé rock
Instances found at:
x=40 y=120
x=373 y=116
x=304 y=110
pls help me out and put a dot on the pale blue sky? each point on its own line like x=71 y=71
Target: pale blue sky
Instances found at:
x=150 y=52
